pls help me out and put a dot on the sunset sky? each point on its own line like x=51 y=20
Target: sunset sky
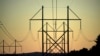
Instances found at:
x=15 y=15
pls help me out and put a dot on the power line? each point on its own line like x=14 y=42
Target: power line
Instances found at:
x=60 y=26
x=32 y=36
x=6 y=33
x=36 y=13
x=25 y=38
x=56 y=16
x=83 y=35
x=40 y=30
x=53 y=16
x=74 y=13
x=76 y=36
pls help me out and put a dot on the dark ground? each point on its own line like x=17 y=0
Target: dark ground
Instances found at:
x=94 y=51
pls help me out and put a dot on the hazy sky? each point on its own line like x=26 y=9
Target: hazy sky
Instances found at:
x=15 y=15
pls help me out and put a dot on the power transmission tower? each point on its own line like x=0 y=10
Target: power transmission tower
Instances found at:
x=16 y=45
x=59 y=42
x=52 y=44
x=4 y=44
x=6 y=32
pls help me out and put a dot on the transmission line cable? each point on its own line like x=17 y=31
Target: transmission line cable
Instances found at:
x=36 y=13
x=32 y=36
x=77 y=37
x=6 y=33
x=25 y=38
x=85 y=37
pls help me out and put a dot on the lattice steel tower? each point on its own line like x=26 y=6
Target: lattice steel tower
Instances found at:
x=59 y=41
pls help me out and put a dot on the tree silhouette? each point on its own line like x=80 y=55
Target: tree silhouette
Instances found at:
x=96 y=49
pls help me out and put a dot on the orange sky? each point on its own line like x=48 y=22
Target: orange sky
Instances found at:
x=15 y=15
